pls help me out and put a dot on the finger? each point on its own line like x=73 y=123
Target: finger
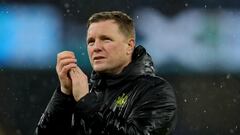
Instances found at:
x=64 y=55
x=79 y=70
x=66 y=69
x=72 y=72
x=65 y=62
x=76 y=75
x=80 y=73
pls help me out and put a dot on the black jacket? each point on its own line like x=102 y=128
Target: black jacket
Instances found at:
x=135 y=102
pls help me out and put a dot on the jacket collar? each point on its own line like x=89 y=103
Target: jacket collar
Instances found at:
x=141 y=65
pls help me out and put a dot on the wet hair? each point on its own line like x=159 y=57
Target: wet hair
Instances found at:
x=125 y=22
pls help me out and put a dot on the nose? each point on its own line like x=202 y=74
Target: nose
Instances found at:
x=97 y=46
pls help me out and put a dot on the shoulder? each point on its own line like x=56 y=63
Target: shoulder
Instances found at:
x=154 y=86
x=152 y=81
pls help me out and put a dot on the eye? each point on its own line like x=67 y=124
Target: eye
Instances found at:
x=90 y=42
x=106 y=39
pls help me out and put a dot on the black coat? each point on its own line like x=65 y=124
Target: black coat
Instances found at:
x=135 y=102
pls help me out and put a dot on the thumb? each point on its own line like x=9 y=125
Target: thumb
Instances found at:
x=73 y=73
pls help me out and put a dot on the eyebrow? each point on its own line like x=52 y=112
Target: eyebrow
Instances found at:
x=105 y=36
x=101 y=37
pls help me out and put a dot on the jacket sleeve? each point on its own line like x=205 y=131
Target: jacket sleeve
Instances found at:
x=155 y=112
x=56 y=118
x=152 y=113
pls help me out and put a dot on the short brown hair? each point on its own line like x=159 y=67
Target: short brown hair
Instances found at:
x=125 y=22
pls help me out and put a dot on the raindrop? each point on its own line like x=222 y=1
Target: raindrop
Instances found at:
x=186 y=4
x=137 y=17
x=234 y=100
x=196 y=99
x=78 y=11
x=236 y=126
x=214 y=83
x=185 y=100
x=18 y=132
x=82 y=53
x=204 y=111
x=231 y=131
x=228 y=76
x=207 y=127
x=66 y=5
x=205 y=6
x=68 y=10
x=221 y=86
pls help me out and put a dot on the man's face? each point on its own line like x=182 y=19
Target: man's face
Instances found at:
x=108 y=49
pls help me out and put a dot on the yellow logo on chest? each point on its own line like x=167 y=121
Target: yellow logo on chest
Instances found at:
x=121 y=100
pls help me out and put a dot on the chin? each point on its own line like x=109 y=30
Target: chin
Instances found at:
x=99 y=68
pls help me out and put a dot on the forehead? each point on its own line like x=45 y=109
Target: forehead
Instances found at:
x=108 y=26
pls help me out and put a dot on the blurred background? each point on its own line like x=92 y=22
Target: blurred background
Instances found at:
x=195 y=45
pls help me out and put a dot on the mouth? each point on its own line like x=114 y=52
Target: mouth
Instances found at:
x=98 y=58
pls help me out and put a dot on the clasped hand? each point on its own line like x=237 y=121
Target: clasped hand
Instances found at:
x=72 y=79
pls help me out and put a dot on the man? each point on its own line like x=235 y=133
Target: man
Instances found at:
x=123 y=96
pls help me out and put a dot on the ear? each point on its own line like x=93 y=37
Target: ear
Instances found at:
x=131 y=45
